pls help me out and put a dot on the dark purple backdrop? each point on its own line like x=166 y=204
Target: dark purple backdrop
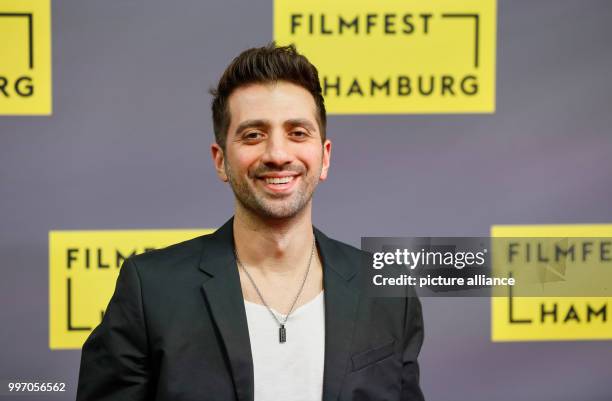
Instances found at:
x=128 y=147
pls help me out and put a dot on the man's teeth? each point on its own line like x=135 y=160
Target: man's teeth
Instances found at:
x=281 y=180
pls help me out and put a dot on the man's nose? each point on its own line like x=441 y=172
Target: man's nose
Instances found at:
x=278 y=151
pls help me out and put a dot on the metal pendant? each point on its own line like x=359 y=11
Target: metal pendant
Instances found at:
x=282 y=334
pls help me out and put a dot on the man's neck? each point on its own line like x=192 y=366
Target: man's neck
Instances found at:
x=273 y=245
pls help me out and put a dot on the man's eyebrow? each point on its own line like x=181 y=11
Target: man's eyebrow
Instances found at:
x=252 y=124
x=265 y=124
x=300 y=122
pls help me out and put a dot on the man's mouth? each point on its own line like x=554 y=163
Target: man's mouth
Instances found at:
x=280 y=184
x=279 y=180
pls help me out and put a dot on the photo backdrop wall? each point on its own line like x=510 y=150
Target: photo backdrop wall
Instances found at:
x=126 y=147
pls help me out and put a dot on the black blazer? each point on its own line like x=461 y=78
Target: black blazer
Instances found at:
x=176 y=329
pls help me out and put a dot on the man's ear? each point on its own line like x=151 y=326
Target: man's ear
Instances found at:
x=327 y=147
x=219 y=159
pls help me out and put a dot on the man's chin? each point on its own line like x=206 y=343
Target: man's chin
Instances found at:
x=279 y=210
x=279 y=213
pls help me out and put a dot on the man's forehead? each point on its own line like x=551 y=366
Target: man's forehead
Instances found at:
x=276 y=102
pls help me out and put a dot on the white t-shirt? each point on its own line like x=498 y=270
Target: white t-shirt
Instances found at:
x=292 y=370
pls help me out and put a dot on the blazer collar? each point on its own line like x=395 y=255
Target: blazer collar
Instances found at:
x=219 y=252
x=224 y=296
x=223 y=293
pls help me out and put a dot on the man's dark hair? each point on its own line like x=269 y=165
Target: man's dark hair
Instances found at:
x=266 y=64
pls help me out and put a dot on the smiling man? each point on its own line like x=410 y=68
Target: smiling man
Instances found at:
x=268 y=307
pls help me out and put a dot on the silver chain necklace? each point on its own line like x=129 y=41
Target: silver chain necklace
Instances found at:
x=282 y=332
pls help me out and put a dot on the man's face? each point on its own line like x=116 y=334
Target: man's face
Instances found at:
x=273 y=157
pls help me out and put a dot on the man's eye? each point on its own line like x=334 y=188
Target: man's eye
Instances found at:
x=252 y=135
x=299 y=134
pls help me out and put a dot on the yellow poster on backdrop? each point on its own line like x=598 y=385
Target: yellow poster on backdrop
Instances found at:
x=25 y=61
x=83 y=270
x=382 y=57
x=551 y=318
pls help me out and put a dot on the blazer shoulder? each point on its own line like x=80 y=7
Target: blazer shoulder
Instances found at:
x=346 y=249
x=186 y=253
x=341 y=253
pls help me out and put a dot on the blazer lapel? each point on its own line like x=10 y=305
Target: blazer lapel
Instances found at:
x=223 y=292
x=341 y=302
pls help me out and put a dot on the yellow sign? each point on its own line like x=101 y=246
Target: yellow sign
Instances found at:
x=83 y=270
x=388 y=57
x=25 y=61
x=551 y=318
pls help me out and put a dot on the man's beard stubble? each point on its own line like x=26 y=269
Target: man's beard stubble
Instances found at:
x=272 y=208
